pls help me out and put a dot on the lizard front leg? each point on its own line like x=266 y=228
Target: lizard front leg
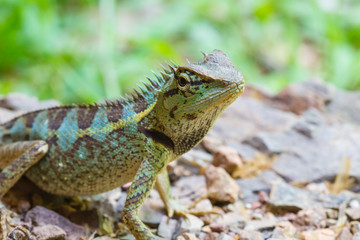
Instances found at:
x=15 y=159
x=172 y=206
x=141 y=186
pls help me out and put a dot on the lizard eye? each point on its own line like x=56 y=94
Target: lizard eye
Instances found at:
x=182 y=81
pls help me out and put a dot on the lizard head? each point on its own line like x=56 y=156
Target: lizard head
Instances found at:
x=199 y=88
x=194 y=96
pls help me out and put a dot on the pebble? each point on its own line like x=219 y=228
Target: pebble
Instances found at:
x=353 y=213
x=218 y=227
x=323 y=234
x=249 y=235
x=221 y=187
x=224 y=236
x=284 y=230
x=355 y=227
x=344 y=234
x=227 y=158
x=48 y=232
x=187 y=236
x=192 y=224
x=313 y=217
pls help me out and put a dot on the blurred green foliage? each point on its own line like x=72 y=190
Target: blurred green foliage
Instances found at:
x=86 y=50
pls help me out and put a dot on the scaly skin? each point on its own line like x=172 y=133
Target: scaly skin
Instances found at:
x=95 y=148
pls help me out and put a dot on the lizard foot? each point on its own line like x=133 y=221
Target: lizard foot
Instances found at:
x=183 y=211
x=11 y=230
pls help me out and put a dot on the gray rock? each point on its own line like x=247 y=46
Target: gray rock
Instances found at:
x=40 y=216
x=286 y=197
x=24 y=103
x=346 y=105
x=189 y=188
x=150 y=212
x=167 y=227
x=252 y=116
x=250 y=187
x=6 y=115
x=192 y=224
x=304 y=154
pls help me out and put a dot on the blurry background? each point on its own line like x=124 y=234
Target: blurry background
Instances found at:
x=87 y=50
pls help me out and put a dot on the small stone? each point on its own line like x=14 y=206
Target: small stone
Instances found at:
x=23 y=206
x=263 y=197
x=318 y=188
x=267 y=221
x=313 y=217
x=211 y=236
x=355 y=227
x=167 y=227
x=250 y=235
x=187 y=236
x=218 y=227
x=353 y=213
x=221 y=187
x=284 y=230
x=210 y=144
x=192 y=224
x=203 y=205
x=49 y=232
x=227 y=158
x=256 y=205
x=323 y=234
x=345 y=234
x=331 y=213
x=224 y=236
x=354 y=203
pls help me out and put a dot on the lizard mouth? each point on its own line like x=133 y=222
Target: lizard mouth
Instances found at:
x=231 y=92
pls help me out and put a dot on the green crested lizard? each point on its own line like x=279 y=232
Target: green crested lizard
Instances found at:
x=88 y=149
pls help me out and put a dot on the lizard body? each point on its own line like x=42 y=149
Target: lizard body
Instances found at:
x=89 y=149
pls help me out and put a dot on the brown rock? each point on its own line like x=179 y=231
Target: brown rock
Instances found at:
x=218 y=227
x=250 y=235
x=221 y=187
x=49 y=232
x=323 y=234
x=210 y=144
x=227 y=158
x=297 y=98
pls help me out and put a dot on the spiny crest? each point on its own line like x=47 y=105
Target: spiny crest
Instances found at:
x=144 y=89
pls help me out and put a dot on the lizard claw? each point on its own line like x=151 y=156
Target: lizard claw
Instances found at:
x=183 y=211
x=10 y=229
